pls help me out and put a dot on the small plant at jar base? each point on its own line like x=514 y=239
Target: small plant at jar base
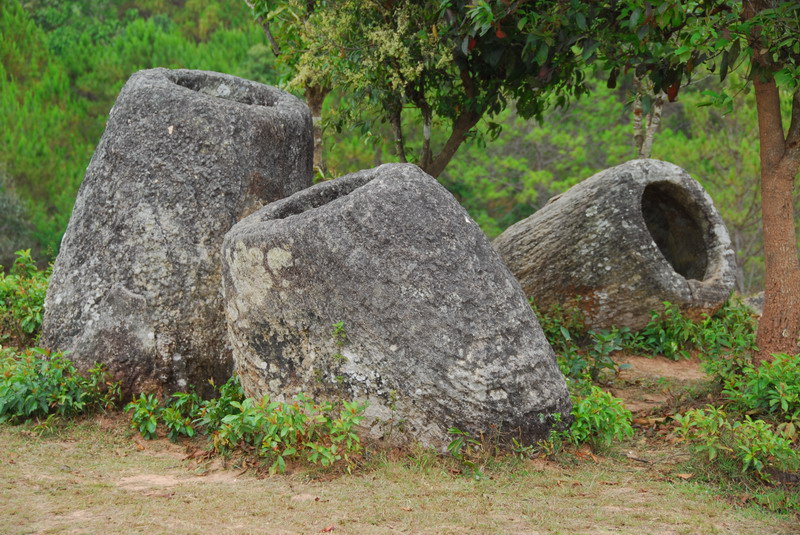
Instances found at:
x=467 y=450
x=35 y=383
x=604 y=343
x=177 y=424
x=212 y=411
x=145 y=412
x=667 y=333
x=599 y=418
x=771 y=388
x=304 y=430
x=753 y=445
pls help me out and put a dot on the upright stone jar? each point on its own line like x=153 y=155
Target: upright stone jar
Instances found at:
x=379 y=287
x=622 y=242
x=185 y=155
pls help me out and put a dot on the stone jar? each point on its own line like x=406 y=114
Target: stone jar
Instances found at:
x=137 y=282
x=379 y=287
x=621 y=243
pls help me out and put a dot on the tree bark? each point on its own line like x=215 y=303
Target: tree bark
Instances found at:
x=779 y=327
x=653 y=120
x=461 y=127
x=315 y=96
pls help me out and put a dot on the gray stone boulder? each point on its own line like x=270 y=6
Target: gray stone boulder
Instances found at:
x=433 y=331
x=137 y=282
x=623 y=241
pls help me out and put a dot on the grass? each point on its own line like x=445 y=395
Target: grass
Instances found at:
x=96 y=476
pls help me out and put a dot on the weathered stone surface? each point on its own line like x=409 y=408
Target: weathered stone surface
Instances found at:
x=137 y=282
x=624 y=241
x=439 y=333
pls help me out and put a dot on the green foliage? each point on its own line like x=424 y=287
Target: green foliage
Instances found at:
x=144 y=417
x=771 y=388
x=748 y=444
x=667 y=333
x=37 y=383
x=468 y=451
x=339 y=334
x=581 y=352
x=505 y=179
x=22 y=293
x=318 y=433
x=729 y=332
x=212 y=411
x=275 y=432
x=63 y=64
x=599 y=419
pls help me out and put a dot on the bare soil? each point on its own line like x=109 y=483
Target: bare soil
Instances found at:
x=649 y=385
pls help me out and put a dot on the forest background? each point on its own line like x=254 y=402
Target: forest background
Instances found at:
x=62 y=64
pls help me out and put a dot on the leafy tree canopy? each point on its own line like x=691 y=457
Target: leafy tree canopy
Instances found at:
x=397 y=56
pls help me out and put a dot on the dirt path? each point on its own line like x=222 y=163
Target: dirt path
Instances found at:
x=651 y=384
x=96 y=478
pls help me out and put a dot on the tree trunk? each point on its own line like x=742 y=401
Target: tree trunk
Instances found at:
x=315 y=96
x=461 y=127
x=779 y=327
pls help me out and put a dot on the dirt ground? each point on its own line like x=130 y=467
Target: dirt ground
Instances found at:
x=97 y=477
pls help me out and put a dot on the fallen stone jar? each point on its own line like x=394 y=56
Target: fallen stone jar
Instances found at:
x=622 y=242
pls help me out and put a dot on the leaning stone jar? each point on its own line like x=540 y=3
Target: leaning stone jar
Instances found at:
x=379 y=287
x=622 y=242
x=184 y=156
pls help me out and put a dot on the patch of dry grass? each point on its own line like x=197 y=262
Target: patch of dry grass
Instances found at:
x=94 y=478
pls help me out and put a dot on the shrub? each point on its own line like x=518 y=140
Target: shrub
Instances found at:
x=731 y=330
x=22 y=294
x=36 y=383
x=667 y=333
x=276 y=432
x=725 y=340
x=752 y=445
x=145 y=414
x=319 y=433
x=771 y=388
x=599 y=419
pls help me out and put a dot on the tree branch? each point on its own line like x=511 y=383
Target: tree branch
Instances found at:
x=652 y=124
x=396 y=120
x=461 y=127
x=638 y=132
x=427 y=120
x=276 y=49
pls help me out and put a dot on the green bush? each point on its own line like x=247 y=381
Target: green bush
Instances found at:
x=724 y=340
x=731 y=330
x=276 y=432
x=771 y=388
x=751 y=445
x=22 y=293
x=144 y=417
x=36 y=383
x=599 y=419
